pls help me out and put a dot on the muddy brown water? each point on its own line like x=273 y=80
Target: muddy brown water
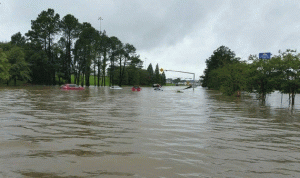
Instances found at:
x=46 y=132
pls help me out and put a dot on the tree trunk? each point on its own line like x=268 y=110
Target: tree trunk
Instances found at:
x=87 y=79
x=123 y=71
x=290 y=98
x=95 y=74
x=103 y=68
x=98 y=75
x=293 y=98
x=69 y=60
x=120 y=76
x=82 y=79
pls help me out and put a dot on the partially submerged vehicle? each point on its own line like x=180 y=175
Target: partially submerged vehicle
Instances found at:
x=157 y=87
x=71 y=87
x=115 y=88
x=136 y=88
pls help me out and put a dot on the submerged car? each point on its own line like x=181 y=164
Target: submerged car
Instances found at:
x=115 y=87
x=71 y=87
x=136 y=88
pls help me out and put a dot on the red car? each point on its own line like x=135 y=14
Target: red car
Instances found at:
x=71 y=87
x=136 y=88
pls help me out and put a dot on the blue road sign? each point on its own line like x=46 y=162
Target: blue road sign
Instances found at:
x=265 y=55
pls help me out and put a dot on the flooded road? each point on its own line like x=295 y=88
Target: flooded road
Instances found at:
x=46 y=132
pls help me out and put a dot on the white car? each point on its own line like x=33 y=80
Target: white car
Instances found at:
x=115 y=88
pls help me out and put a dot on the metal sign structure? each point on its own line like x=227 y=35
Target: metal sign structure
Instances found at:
x=265 y=55
x=182 y=72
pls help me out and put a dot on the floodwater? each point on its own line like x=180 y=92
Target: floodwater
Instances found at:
x=46 y=132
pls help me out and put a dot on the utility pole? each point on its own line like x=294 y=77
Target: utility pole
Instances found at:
x=100 y=18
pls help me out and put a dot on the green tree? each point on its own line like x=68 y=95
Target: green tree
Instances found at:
x=232 y=78
x=126 y=56
x=157 y=77
x=4 y=66
x=43 y=31
x=144 y=77
x=19 y=69
x=59 y=56
x=261 y=76
x=151 y=74
x=134 y=71
x=115 y=48
x=5 y=46
x=220 y=57
x=85 y=51
x=163 y=79
x=70 y=28
x=18 y=40
x=290 y=73
x=104 y=49
x=38 y=62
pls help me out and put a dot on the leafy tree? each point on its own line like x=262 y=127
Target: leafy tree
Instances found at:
x=133 y=76
x=232 y=78
x=105 y=45
x=70 y=28
x=261 y=77
x=43 y=31
x=290 y=73
x=59 y=61
x=4 y=66
x=18 y=40
x=38 y=62
x=5 y=46
x=163 y=78
x=151 y=74
x=115 y=48
x=41 y=58
x=144 y=77
x=220 y=57
x=157 y=78
x=19 y=67
x=126 y=55
x=85 y=51
x=134 y=71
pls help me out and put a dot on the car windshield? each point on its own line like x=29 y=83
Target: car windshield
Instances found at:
x=73 y=85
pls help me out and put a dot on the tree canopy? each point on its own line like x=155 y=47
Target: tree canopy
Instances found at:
x=227 y=73
x=220 y=57
x=64 y=50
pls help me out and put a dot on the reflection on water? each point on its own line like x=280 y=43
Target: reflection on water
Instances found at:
x=98 y=132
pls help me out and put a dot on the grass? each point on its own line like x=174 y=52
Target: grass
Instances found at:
x=92 y=83
x=22 y=83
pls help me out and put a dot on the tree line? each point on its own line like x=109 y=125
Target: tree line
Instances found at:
x=56 y=51
x=227 y=73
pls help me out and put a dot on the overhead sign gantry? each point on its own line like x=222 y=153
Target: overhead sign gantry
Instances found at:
x=161 y=70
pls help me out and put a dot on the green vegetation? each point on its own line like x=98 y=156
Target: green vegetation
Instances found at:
x=56 y=51
x=228 y=74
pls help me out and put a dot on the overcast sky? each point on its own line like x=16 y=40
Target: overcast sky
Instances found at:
x=176 y=34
